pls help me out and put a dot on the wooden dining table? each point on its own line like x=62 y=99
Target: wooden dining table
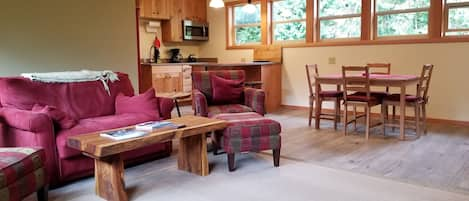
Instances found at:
x=398 y=81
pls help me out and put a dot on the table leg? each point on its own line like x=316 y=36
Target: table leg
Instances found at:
x=177 y=107
x=192 y=156
x=109 y=176
x=402 y=113
x=317 y=108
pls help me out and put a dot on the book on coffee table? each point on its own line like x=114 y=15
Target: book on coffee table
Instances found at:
x=124 y=134
x=153 y=125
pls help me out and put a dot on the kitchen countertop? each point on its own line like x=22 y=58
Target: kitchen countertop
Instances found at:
x=211 y=64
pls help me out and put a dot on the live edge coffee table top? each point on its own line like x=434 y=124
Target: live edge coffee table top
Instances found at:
x=96 y=146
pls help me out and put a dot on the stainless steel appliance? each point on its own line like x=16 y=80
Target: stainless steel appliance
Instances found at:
x=195 y=31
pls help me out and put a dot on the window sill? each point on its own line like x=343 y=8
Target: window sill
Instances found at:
x=355 y=43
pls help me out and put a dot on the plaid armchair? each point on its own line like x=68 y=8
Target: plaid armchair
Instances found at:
x=252 y=99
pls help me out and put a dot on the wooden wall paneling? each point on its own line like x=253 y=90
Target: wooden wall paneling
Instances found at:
x=271 y=53
x=272 y=85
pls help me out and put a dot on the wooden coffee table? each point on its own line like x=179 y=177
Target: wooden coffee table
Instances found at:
x=109 y=166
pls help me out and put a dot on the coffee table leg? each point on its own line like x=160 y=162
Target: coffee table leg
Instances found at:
x=192 y=156
x=109 y=176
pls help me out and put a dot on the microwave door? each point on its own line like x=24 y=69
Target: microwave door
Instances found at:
x=195 y=33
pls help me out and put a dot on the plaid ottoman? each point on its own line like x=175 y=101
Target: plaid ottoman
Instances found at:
x=22 y=173
x=248 y=131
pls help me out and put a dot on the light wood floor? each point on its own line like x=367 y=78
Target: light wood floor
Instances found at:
x=439 y=159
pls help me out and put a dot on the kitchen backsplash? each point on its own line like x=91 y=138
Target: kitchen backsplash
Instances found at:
x=146 y=41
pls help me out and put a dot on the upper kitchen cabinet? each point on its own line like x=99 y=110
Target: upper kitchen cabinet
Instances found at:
x=195 y=10
x=154 y=9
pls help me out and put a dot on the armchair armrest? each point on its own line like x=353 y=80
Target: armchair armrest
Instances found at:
x=26 y=120
x=255 y=99
x=165 y=106
x=200 y=102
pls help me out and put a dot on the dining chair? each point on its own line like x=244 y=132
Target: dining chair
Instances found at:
x=418 y=101
x=381 y=69
x=356 y=82
x=323 y=95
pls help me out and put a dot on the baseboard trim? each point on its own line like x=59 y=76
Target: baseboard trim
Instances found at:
x=430 y=120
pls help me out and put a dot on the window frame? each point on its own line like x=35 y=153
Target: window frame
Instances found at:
x=376 y=14
x=273 y=23
x=346 y=16
x=234 y=26
x=436 y=28
x=446 y=30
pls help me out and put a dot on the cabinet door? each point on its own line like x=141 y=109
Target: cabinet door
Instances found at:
x=195 y=10
x=167 y=82
x=154 y=9
x=172 y=29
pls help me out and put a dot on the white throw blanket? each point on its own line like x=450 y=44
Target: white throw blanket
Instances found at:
x=74 y=76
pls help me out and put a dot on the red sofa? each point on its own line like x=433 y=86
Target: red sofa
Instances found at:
x=88 y=103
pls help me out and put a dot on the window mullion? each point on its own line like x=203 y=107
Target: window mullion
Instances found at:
x=435 y=22
x=366 y=20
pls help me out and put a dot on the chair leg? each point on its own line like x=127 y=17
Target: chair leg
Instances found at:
x=276 y=155
x=336 y=108
x=355 y=118
x=417 y=119
x=383 y=119
x=393 y=116
x=367 y=130
x=345 y=120
x=231 y=162
x=311 y=107
x=424 y=116
x=42 y=194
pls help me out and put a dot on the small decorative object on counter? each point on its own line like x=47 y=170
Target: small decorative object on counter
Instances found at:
x=191 y=58
x=156 y=47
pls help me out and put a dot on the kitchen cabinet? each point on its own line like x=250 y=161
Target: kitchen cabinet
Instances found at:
x=165 y=79
x=195 y=10
x=154 y=9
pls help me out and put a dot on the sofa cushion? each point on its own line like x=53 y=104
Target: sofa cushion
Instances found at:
x=201 y=80
x=231 y=108
x=226 y=91
x=95 y=125
x=57 y=115
x=17 y=162
x=78 y=99
x=145 y=103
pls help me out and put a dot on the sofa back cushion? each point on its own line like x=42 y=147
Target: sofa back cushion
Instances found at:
x=145 y=103
x=79 y=100
x=201 y=80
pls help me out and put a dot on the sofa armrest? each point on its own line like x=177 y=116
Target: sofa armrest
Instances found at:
x=255 y=99
x=165 y=106
x=26 y=120
x=200 y=102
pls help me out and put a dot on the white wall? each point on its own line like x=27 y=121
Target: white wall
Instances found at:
x=448 y=96
x=58 y=35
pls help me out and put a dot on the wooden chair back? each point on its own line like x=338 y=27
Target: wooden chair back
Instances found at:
x=379 y=68
x=424 y=82
x=312 y=73
x=356 y=79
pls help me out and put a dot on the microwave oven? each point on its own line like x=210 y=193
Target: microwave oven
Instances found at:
x=194 y=31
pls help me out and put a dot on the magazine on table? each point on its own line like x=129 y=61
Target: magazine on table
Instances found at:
x=124 y=134
x=153 y=125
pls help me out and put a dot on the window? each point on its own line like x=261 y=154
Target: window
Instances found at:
x=289 y=20
x=457 y=17
x=401 y=17
x=339 y=19
x=247 y=26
